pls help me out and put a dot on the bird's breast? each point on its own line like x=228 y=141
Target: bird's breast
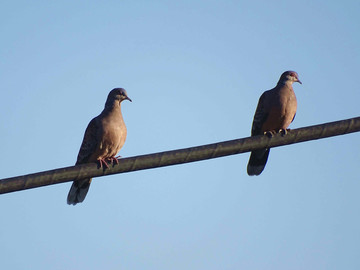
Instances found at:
x=281 y=112
x=113 y=137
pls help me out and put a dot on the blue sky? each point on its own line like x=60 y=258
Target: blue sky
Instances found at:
x=195 y=71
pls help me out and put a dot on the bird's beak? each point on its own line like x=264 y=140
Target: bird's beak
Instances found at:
x=299 y=81
x=129 y=99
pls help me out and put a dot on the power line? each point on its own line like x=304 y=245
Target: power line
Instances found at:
x=180 y=156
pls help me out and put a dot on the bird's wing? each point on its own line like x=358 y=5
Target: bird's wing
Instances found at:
x=89 y=142
x=260 y=116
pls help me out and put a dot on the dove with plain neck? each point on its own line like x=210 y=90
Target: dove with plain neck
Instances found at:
x=275 y=111
x=104 y=137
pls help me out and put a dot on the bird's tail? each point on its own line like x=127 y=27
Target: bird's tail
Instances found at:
x=78 y=191
x=257 y=161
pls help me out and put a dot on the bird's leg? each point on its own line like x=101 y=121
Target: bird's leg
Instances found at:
x=113 y=159
x=284 y=131
x=101 y=162
x=270 y=133
x=118 y=157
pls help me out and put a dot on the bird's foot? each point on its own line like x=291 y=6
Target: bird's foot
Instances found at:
x=103 y=162
x=113 y=160
x=284 y=131
x=118 y=157
x=270 y=133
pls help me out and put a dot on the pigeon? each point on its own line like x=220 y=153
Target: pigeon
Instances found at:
x=103 y=139
x=275 y=111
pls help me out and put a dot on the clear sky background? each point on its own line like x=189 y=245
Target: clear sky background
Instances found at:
x=195 y=71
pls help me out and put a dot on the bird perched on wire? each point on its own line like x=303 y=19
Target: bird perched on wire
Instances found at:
x=103 y=139
x=275 y=111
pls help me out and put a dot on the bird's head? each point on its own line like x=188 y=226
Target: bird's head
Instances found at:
x=290 y=76
x=116 y=96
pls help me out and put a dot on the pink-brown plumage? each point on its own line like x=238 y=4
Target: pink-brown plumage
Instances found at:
x=275 y=111
x=104 y=137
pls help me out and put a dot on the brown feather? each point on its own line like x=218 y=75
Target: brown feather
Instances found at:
x=276 y=109
x=104 y=137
